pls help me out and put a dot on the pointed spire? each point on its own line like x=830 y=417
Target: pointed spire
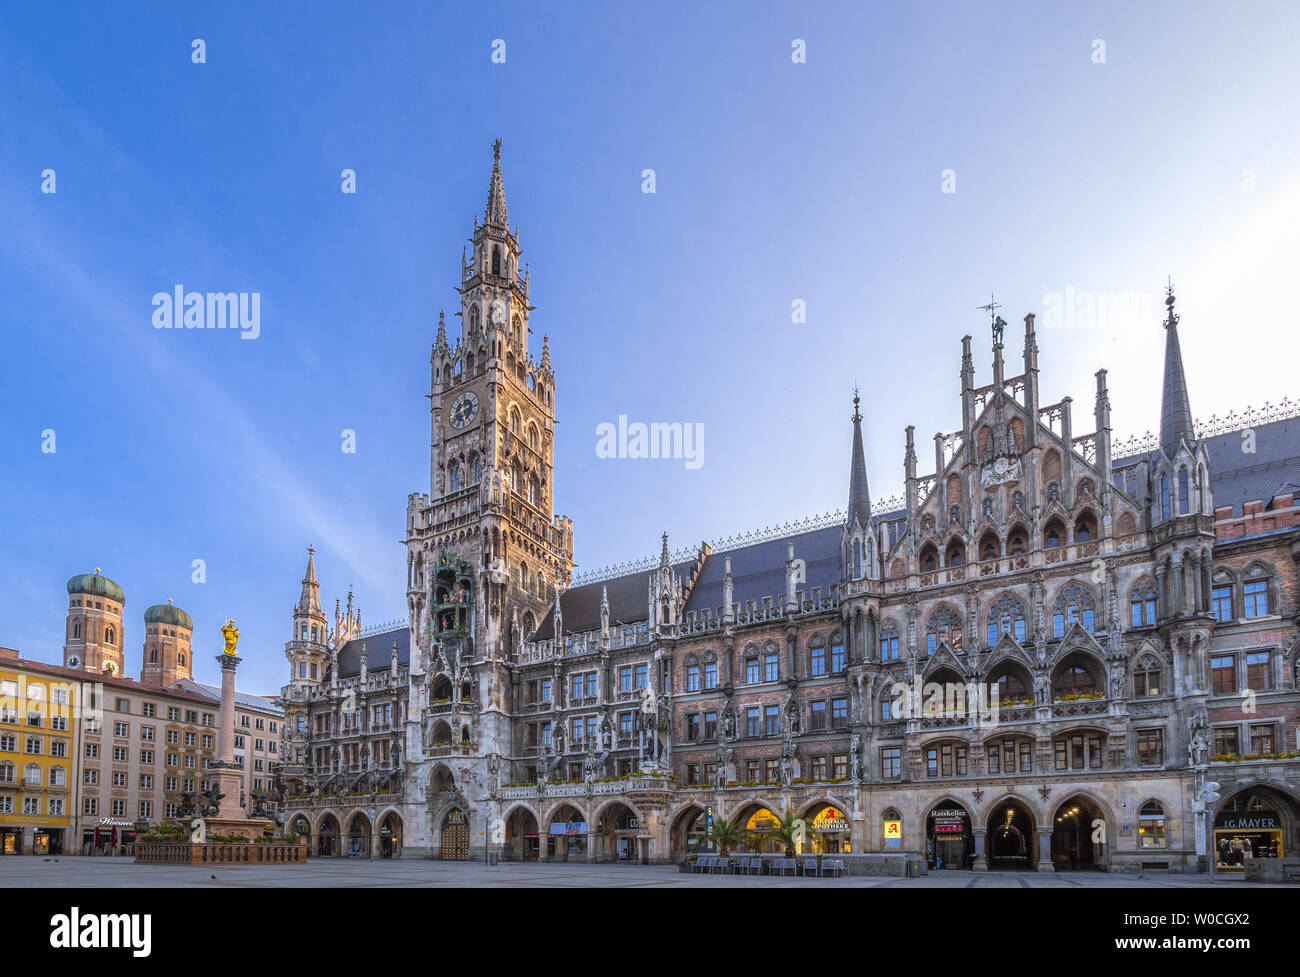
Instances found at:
x=1175 y=409
x=545 y=365
x=309 y=601
x=440 y=341
x=495 y=213
x=663 y=555
x=859 y=496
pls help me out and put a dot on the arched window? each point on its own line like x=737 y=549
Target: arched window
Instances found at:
x=929 y=558
x=496 y=260
x=692 y=676
x=1142 y=606
x=475 y=469
x=1255 y=593
x=528 y=625
x=1183 y=491
x=523 y=576
x=1077 y=676
x=837 y=653
x=817 y=657
x=1007 y=616
x=515 y=421
x=1151 y=825
x=1146 y=677
x=1074 y=604
x=110 y=636
x=453 y=477
x=534 y=492
x=180 y=659
x=473 y=320
x=989 y=546
x=1085 y=527
x=1011 y=686
x=76 y=629
x=534 y=441
x=889 y=644
x=944 y=626
x=1017 y=541
x=1054 y=535
x=956 y=553
x=153 y=656
x=1164 y=496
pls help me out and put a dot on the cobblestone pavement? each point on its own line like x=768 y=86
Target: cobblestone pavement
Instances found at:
x=104 y=873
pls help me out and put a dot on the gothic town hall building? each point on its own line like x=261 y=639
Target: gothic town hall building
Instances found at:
x=1033 y=658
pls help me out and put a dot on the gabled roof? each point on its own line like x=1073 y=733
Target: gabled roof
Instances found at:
x=379 y=652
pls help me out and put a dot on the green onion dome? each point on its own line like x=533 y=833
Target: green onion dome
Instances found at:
x=96 y=585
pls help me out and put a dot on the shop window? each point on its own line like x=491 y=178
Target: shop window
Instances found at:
x=1151 y=826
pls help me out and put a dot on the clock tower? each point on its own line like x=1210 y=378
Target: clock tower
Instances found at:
x=491 y=491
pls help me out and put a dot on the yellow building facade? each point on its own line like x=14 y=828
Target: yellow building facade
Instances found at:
x=39 y=755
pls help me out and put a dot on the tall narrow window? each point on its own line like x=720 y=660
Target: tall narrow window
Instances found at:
x=1182 y=490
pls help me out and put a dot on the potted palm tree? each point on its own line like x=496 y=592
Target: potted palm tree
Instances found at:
x=724 y=835
x=786 y=831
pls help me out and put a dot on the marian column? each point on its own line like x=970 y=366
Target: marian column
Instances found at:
x=224 y=773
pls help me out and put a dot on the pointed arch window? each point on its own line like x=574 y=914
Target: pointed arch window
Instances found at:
x=76 y=629
x=1074 y=605
x=817 y=657
x=534 y=441
x=1146 y=678
x=515 y=421
x=1007 y=616
x=1164 y=496
x=1183 y=491
x=110 y=636
x=496 y=260
x=475 y=469
x=837 y=653
x=453 y=477
x=945 y=626
x=889 y=644
x=1142 y=607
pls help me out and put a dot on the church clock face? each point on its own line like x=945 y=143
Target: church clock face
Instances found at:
x=74 y=661
x=464 y=409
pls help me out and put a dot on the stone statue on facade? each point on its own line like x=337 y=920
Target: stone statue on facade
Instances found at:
x=855 y=757
x=1042 y=690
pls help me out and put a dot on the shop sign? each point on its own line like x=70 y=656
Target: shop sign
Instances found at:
x=893 y=833
x=568 y=828
x=949 y=821
x=116 y=823
x=830 y=820
x=1249 y=821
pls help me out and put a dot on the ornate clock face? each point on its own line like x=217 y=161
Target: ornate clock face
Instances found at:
x=464 y=409
x=74 y=661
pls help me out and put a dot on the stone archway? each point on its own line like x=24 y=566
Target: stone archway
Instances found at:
x=390 y=835
x=329 y=837
x=618 y=827
x=567 y=834
x=689 y=831
x=1079 y=835
x=1011 y=841
x=357 y=840
x=949 y=835
x=523 y=841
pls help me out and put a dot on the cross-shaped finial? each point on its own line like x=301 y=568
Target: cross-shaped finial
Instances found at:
x=1171 y=318
x=991 y=308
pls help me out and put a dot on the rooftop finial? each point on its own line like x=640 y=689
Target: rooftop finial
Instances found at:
x=998 y=322
x=496 y=149
x=1171 y=317
x=857 y=414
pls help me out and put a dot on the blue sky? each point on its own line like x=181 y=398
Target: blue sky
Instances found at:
x=776 y=182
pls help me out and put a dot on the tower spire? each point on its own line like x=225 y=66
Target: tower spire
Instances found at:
x=495 y=212
x=1175 y=409
x=309 y=601
x=859 y=495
